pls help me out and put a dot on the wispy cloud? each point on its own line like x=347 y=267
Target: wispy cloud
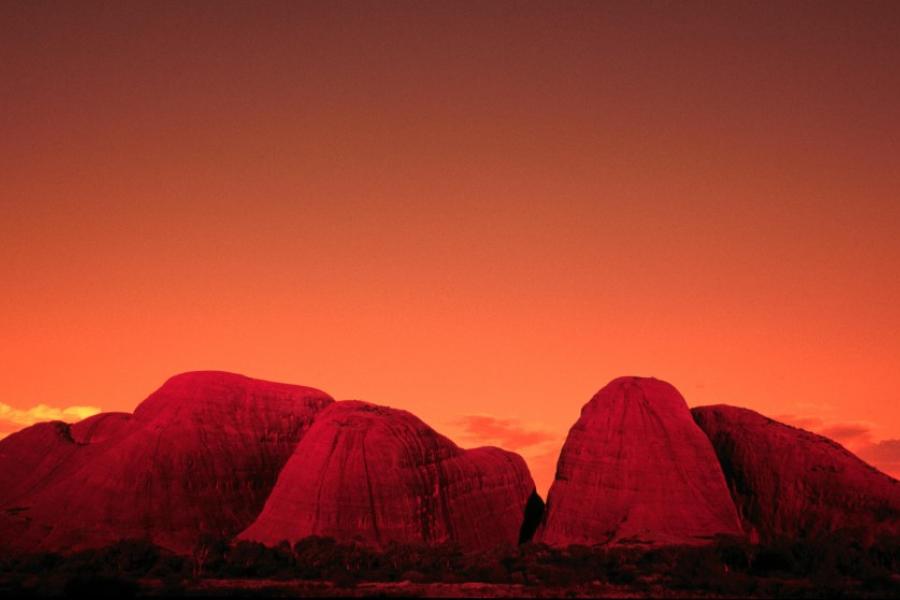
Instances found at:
x=856 y=436
x=849 y=434
x=803 y=422
x=13 y=419
x=538 y=446
x=852 y=434
x=506 y=433
x=885 y=455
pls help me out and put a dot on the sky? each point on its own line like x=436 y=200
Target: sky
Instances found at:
x=480 y=212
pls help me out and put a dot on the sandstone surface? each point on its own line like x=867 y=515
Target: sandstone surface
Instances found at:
x=198 y=457
x=787 y=482
x=377 y=475
x=636 y=469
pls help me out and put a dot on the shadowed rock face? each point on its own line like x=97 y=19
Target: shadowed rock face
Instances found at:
x=199 y=456
x=30 y=458
x=789 y=482
x=534 y=511
x=375 y=474
x=635 y=468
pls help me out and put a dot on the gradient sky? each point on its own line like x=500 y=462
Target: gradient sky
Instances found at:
x=479 y=212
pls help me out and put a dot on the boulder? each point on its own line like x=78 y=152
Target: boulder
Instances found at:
x=377 y=475
x=787 y=482
x=198 y=457
x=636 y=469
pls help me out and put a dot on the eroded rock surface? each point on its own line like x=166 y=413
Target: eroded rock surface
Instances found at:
x=635 y=468
x=199 y=456
x=375 y=474
x=789 y=482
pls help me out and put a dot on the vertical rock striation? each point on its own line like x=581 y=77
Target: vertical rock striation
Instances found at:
x=199 y=456
x=787 y=482
x=378 y=475
x=635 y=468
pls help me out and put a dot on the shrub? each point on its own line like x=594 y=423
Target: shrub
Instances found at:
x=100 y=586
x=774 y=558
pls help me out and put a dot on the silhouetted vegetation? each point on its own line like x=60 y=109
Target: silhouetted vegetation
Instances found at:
x=113 y=571
x=837 y=565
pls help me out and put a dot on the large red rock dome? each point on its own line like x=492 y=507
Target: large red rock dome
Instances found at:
x=789 y=482
x=635 y=468
x=199 y=456
x=375 y=474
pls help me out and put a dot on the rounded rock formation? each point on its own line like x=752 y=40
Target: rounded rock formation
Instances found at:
x=787 y=482
x=198 y=457
x=636 y=469
x=376 y=475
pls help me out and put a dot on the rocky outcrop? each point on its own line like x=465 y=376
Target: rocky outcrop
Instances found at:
x=31 y=457
x=199 y=456
x=378 y=475
x=787 y=482
x=635 y=468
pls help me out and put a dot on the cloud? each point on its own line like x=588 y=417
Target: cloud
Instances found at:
x=886 y=450
x=885 y=455
x=509 y=434
x=848 y=434
x=14 y=419
x=809 y=423
x=538 y=446
x=857 y=437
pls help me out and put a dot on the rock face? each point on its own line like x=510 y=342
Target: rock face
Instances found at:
x=789 y=482
x=375 y=474
x=199 y=456
x=29 y=458
x=635 y=468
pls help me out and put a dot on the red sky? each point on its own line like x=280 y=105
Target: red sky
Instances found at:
x=479 y=212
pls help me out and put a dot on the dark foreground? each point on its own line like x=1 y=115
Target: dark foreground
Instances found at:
x=838 y=566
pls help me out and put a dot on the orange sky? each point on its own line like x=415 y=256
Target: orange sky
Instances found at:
x=480 y=213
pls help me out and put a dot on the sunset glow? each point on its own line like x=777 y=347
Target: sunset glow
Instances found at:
x=480 y=213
